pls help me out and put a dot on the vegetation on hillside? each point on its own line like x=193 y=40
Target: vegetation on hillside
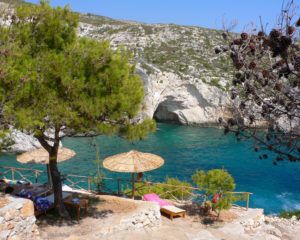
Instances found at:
x=183 y=50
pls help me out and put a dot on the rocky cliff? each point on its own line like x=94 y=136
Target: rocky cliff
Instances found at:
x=184 y=81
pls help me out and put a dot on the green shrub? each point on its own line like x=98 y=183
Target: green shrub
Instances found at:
x=216 y=181
x=290 y=214
x=176 y=188
x=142 y=188
x=172 y=188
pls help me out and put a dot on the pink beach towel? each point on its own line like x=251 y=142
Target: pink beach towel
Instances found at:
x=152 y=197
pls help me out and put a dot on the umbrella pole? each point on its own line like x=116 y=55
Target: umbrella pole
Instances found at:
x=132 y=178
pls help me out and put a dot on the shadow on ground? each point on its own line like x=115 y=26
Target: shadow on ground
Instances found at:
x=53 y=219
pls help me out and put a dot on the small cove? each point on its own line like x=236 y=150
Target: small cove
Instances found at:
x=187 y=148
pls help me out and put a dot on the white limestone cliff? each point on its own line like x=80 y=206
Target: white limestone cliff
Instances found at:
x=170 y=98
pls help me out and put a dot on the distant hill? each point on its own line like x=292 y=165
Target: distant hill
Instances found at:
x=184 y=50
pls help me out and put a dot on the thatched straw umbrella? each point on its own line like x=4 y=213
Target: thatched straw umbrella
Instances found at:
x=133 y=162
x=41 y=156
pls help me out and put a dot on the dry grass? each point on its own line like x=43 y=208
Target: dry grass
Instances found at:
x=115 y=205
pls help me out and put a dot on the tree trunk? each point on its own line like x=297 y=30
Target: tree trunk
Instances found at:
x=56 y=184
x=55 y=174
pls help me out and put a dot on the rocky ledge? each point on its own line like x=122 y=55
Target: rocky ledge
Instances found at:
x=17 y=220
x=254 y=225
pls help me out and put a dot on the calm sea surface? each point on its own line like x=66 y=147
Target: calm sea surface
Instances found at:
x=186 y=149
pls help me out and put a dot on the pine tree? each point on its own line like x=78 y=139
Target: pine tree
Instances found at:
x=52 y=80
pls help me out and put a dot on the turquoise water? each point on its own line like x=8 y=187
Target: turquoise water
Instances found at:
x=186 y=149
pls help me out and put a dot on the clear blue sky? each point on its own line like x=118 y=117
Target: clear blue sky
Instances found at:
x=206 y=13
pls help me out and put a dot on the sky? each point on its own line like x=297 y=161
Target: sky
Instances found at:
x=204 y=13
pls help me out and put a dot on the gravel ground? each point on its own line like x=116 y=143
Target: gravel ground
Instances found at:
x=235 y=224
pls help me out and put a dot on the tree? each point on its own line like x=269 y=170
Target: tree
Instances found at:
x=216 y=181
x=266 y=86
x=53 y=81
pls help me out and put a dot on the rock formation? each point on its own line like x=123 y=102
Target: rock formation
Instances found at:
x=184 y=81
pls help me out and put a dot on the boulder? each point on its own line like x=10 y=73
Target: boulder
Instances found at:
x=17 y=220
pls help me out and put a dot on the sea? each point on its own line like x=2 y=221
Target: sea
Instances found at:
x=186 y=149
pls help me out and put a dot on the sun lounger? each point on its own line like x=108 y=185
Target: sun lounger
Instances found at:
x=50 y=198
x=165 y=207
x=67 y=188
x=44 y=204
x=173 y=211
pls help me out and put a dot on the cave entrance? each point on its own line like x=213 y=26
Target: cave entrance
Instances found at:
x=165 y=113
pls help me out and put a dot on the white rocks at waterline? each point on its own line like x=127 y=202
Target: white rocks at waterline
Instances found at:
x=22 y=142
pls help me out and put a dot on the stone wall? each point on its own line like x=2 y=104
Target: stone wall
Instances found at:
x=17 y=220
x=145 y=216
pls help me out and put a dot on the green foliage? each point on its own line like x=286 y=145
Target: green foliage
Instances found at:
x=176 y=188
x=51 y=78
x=5 y=139
x=98 y=178
x=290 y=214
x=142 y=188
x=215 y=82
x=138 y=131
x=216 y=181
x=172 y=188
x=225 y=202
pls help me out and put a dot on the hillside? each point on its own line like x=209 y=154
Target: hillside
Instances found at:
x=184 y=50
x=185 y=82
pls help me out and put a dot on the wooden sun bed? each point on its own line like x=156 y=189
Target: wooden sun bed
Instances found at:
x=173 y=211
x=165 y=207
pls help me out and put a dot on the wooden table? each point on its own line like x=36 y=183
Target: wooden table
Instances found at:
x=83 y=203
